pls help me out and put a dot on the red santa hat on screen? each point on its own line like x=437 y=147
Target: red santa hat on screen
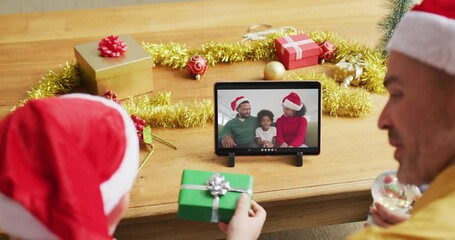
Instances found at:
x=292 y=101
x=427 y=33
x=237 y=101
x=65 y=164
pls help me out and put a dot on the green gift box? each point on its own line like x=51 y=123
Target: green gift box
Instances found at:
x=210 y=196
x=127 y=75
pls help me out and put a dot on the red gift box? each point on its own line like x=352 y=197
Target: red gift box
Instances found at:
x=297 y=51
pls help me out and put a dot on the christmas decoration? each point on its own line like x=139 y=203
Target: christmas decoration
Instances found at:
x=111 y=95
x=397 y=8
x=274 y=70
x=54 y=83
x=111 y=46
x=349 y=69
x=144 y=133
x=197 y=66
x=392 y=194
x=140 y=124
x=353 y=103
x=211 y=197
x=128 y=75
x=296 y=51
x=327 y=51
x=338 y=101
x=176 y=55
x=160 y=112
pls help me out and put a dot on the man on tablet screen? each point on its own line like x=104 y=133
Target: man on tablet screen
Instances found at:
x=239 y=132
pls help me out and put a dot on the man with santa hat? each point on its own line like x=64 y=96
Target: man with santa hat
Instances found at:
x=239 y=132
x=420 y=119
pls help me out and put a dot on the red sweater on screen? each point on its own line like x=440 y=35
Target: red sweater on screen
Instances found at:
x=291 y=130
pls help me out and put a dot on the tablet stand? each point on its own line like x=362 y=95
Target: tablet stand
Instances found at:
x=231 y=160
x=299 y=159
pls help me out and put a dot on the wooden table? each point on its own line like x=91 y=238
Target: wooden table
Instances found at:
x=330 y=188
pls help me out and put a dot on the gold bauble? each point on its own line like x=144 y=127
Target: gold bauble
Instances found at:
x=274 y=70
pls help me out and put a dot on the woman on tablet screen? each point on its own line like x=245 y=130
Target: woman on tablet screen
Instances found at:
x=292 y=125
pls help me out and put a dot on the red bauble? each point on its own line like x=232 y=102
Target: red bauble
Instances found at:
x=140 y=125
x=111 y=46
x=327 y=51
x=388 y=179
x=109 y=94
x=197 y=66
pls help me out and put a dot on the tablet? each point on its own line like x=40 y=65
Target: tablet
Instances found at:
x=267 y=118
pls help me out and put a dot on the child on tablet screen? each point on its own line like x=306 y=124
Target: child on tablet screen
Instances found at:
x=266 y=133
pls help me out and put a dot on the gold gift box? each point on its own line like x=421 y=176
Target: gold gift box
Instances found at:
x=348 y=70
x=129 y=74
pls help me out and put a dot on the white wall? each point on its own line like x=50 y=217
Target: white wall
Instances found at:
x=266 y=99
x=24 y=6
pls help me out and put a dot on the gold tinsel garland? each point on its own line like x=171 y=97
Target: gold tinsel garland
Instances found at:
x=338 y=101
x=159 y=111
x=373 y=76
x=176 y=55
x=54 y=83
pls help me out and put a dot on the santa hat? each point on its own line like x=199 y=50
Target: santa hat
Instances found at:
x=427 y=33
x=65 y=163
x=237 y=101
x=292 y=101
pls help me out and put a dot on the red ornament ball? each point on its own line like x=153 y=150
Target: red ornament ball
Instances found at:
x=111 y=46
x=109 y=94
x=388 y=179
x=327 y=51
x=140 y=125
x=197 y=66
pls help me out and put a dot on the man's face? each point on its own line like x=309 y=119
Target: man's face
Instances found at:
x=244 y=110
x=419 y=117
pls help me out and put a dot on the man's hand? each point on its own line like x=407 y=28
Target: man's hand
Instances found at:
x=228 y=142
x=384 y=218
x=245 y=224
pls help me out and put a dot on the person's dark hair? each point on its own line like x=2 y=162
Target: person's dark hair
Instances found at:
x=264 y=112
x=301 y=112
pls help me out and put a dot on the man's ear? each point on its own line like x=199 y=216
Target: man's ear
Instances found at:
x=114 y=217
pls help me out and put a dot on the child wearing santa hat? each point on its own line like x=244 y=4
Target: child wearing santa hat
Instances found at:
x=67 y=165
x=292 y=125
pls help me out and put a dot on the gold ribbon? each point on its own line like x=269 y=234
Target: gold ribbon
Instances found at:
x=349 y=69
x=253 y=33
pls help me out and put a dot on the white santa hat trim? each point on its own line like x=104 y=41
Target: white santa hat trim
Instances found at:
x=426 y=37
x=292 y=105
x=122 y=180
x=239 y=100
x=19 y=222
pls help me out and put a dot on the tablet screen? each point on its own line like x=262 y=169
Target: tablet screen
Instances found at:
x=267 y=118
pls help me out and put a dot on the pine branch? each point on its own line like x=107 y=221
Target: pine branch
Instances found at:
x=388 y=24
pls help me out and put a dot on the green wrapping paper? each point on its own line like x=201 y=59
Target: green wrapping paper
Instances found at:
x=197 y=203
